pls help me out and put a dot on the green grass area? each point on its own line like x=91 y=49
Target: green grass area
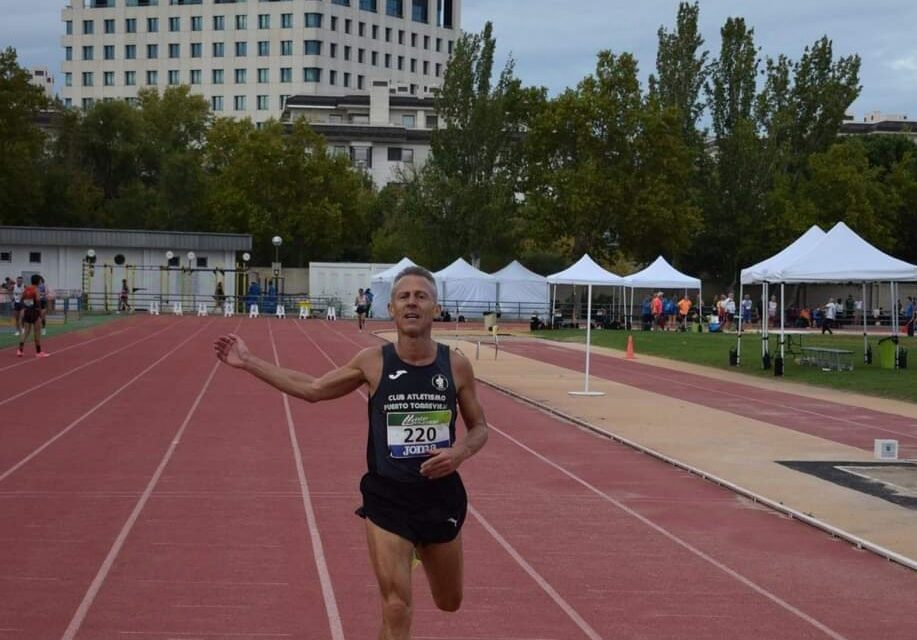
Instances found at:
x=55 y=327
x=712 y=349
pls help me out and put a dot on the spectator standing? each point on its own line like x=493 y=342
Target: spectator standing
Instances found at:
x=746 y=309
x=772 y=312
x=684 y=308
x=18 y=291
x=828 y=317
x=658 y=317
x=730 y=307
x=123 y=304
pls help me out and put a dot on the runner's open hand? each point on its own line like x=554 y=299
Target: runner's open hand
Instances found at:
x=442 y=463
x=231 y=349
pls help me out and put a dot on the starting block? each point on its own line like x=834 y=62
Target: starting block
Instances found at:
x=303 y=312
x=330 y=313
x=154 y=308
x=228 y=311
x=253 y=311
x=281 y=311
x=201 y=309
x=176 y=309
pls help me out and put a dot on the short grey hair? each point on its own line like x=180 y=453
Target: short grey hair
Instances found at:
x=414 y=271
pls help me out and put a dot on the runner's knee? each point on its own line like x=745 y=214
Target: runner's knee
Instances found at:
x=395 y=610
x=450 y=602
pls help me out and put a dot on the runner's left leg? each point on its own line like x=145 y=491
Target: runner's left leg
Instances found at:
x=390 y=555
x=444 y=566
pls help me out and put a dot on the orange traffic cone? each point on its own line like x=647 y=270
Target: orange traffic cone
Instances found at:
x=629 y=354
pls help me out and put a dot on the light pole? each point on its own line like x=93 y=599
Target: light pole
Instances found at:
x=242 y=282
x=165 y=283
x=275 y=268
x=89 y=271
x=191 y=257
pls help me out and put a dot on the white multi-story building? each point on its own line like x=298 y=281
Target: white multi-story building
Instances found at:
x=247 y=56
x=385 y=134
x=42 y=78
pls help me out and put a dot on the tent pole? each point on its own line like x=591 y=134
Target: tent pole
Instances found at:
x=895 y=322
x=782 y=325
x=588 y=332
x=739 y=329
x=865 y=338
x=553 y=306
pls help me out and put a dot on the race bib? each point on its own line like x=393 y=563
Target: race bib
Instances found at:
x=28 y=303
x=415 y=434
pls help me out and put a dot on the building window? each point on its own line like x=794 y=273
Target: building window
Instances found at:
x=312 y=74
x=174 y=50
x=286 y=74
x=68 y=53
x=216 y=76
x=109 y=25
x=197 y=23
x=439 y=69
x=420 y=11
x=400 y=63
x=87 y=103
x=334 y=23
x=152 y=25
x=263 y=76
x=216 y=103
x=87 y=53
x=130 y=25
x=88 y=27
x=174 y=77
x=202 y=262
x=332 y=49
x=68 y=79
x=241 y=49
x=426 y=67
x=152 y=77
x=130 y=51
x=413 y=39
x=432 y=121
x=332 y=77
x=314 y=21
x=361 y=29
x=397 y=154
x=108 y=78
x=264 y=48
x=426 y=42
x=413 y=65
x=286 y=20
x=314 y=48
x=175 y=261
x=219 y=23
x=130 y=78
x=449 y=47
x=238 y=104
x=439 y=44
x=374 y=58
x=34 y=257
x=283 y=101
x=408 y=121
x=69 y=28
x=388 y=61
x=368 y=5
x=6 y=256
x=346 y=52
x=196 y=76
x=87 y=78
x=264 y=21
x=361 y=54
x=152 y=51
x=174 y=24
x=394 y=8
x=346 y=79
x=263 y=103
x=286 y=47
x=400 y=36
x=388 y=34
x=241 y=21
x=361 y=157
x=241 y=76
x=108 y=52
x=343 y=3
x=361 y=80
x=197 y=49
x=218 y=49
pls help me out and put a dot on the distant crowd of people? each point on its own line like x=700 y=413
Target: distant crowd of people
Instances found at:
x=28 y=308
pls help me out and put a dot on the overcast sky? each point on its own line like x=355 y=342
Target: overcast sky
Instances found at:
x=555 y=47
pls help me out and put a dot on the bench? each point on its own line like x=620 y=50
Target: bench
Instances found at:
x=793 y=344
x=827 y=358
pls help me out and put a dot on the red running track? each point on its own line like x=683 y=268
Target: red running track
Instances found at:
x=191 y=504
x=846 y=424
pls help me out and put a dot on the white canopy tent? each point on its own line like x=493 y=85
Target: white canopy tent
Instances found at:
x=765 y=272
x=381 y=285
x=843 y=256
x=586 y=272
x=661 y=275
x=521 y=290
x=464 y=289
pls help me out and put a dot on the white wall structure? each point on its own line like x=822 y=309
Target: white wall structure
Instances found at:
x=59 y=254
x=43 y=79
x=246 y=58
x=385 y=134
x=341 y=280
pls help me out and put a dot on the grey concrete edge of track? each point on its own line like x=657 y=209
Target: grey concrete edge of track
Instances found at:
x=836 y=532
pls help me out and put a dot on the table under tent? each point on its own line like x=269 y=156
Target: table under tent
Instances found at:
x=521 y=293
x=841 y=256
x=585 y=272
x=381 y=285
x=662 y=275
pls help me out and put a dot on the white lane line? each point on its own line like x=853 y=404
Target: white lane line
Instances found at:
x=318 y=551
x=565 y=606
x=6 y=474
x=677 y=540
x=77 y=621
x=72 y=346
x=82 y=366
x=769 y=403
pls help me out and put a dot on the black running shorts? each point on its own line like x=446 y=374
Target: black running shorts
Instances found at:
x=428 y=512
x=31 y=315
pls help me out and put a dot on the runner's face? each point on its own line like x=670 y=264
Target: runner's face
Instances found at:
x=414 y=305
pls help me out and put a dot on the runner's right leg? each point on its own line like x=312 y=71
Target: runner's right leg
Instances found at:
x=390 y=555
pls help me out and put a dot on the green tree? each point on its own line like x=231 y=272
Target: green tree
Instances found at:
x=21 y=143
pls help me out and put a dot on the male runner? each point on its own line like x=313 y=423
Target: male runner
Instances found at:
x=413 y=498
x=362 y=306
x=31 y=318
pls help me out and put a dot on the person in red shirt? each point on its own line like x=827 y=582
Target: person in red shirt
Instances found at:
x=31 y=317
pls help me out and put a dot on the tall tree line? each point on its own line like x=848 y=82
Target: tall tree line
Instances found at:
x=718 y=161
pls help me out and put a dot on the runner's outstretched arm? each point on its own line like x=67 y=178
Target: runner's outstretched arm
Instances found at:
x=232 y=350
